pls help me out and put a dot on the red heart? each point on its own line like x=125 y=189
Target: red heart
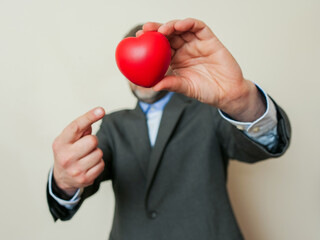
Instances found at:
x=144 y=60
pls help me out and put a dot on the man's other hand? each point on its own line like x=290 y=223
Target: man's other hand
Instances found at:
x=77 y=159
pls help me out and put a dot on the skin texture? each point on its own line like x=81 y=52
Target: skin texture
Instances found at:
x=201 y=67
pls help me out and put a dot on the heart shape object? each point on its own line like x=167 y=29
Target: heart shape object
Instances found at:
x=144 y=60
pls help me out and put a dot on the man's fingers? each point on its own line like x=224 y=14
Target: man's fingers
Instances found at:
x=173 y=84
x=87 y=177
x=147 y=27
x=90 y=160
x=95 y=171
x=187 y=36
x=180 y=27
x=168 y=28
x=151 y=26
x=78 y=127
x=176 y=42
x=84 y=146
x=199 y=28
x=139 y=33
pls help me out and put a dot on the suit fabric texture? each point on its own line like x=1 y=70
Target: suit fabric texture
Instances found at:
x=177 y=189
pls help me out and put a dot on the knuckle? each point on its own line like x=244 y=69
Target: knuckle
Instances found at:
x=93 y=140
x=82 y=180
x=100 y=168
x=74 y=172
x=102 y=164
x=74 y=126
x=65 y=161
x=99 y=153
x=90 y=183
x=92 y=178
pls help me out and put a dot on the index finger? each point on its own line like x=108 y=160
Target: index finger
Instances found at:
x=195 y=26
x=149 y=26
x=75 y=130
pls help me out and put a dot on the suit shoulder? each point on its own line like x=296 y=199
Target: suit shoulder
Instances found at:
x=117 y=116
x=198 y=111
x=119 y=113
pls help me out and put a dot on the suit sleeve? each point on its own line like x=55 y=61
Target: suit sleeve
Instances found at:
x=58 y=211
x=237 y=145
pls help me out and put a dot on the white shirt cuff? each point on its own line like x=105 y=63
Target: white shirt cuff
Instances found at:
x=69 y=204
x=264 y=124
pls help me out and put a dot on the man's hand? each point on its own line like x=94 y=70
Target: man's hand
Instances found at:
x=77 y=160
x=204 y=69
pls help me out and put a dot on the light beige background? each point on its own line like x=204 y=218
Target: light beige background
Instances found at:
x=57 y=62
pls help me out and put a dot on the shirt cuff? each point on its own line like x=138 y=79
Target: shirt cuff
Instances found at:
x=69 y=204
x=263 y=125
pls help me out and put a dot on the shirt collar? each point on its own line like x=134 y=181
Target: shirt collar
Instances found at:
x=158 y=105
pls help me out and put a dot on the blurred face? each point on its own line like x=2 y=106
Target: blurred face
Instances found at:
x=147 y=95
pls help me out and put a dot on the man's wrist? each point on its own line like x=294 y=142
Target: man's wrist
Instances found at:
x=260 y=126
x=65 y=194
x=249 y=107
x=70 y=203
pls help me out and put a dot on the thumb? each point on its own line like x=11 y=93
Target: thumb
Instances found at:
x=172 y=83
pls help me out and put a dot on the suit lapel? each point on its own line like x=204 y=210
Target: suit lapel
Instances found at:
x=139 y=136
x=170 y=117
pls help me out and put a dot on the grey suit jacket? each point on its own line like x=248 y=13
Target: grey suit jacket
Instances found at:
x=177 y=189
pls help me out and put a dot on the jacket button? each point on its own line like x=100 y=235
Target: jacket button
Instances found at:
x=153 y=214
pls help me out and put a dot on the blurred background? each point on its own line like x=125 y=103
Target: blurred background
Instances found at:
x=57 y=62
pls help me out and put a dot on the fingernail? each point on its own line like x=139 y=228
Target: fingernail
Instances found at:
x=98 y=112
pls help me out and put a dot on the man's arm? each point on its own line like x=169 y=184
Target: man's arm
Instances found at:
x=262 y=134
x=202 y=68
